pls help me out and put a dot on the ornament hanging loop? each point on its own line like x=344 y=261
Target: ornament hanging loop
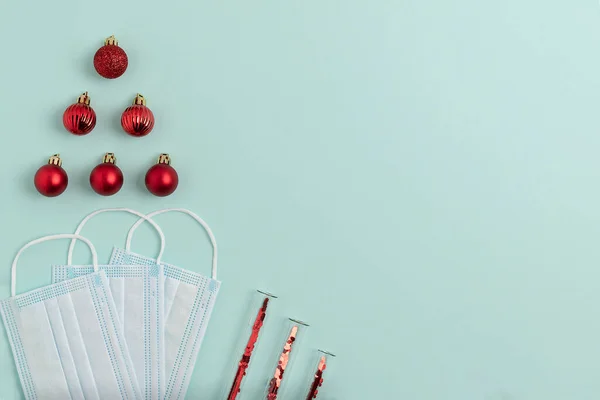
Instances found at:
x=111 y=40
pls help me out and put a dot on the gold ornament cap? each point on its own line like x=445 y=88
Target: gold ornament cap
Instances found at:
x=111 y=41
x=55 y=160
x=109 y=158
x=164 y=159
x=139 y=100
x=84 y=99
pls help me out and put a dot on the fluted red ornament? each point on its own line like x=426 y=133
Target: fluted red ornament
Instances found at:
x=51 y=179
x=80 y=118
x=110 y=60
x=107 y=179
x=137 y=120
x=162 y=179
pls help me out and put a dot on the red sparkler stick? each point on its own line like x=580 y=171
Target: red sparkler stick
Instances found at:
x=318 y=380
x=245 y=360
x=284 y=358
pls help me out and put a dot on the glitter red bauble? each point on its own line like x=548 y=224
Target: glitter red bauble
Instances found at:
x=110 y=60
x=162 y=179
x=137 y=120
x=51 y=180
x=80 y=118
x=106 y=179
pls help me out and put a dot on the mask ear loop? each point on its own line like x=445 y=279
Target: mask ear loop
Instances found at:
x=139 y=214
x=13 y=282
x=213 y=241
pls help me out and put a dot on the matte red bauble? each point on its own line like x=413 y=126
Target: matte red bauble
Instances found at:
x=80 y=118
x=137 y=120
x=162 y=179
x=106 y=179
x=110 y=60
x=51 y=179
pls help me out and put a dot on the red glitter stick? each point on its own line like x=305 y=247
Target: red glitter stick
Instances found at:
x=284 y=358
x=245 y=360
x=318 y=381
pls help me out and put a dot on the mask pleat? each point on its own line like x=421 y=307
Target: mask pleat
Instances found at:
x=155 y=304
x=190 y=345
x=171 y=286
x=114 y=345
x=174 y=385
x=117 y=289
x=176 y=324
x=108 y=370
x=8 y=309
x=38 y=342
x=77 y=347
x=133 y=324
x=62 y=346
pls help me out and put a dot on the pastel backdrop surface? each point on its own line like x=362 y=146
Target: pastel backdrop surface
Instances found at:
x=417 y=179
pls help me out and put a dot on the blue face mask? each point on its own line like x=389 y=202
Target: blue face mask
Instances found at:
x=188 y=303
x=138 y=292
x=66 y=339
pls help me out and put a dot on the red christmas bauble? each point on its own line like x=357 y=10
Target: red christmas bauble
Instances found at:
x=137 y=120
x=80 y=118
x=107 y=179
x=162 y=179
x=110 y=60
x=51 y=179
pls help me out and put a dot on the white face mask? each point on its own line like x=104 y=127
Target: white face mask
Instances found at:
x=138 y=291
x=189 y=301
x=66 y=340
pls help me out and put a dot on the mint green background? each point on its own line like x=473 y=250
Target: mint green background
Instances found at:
x=417 y=179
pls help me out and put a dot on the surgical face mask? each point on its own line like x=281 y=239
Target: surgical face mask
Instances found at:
x=66 y=339
x=138 y=291
x=189 y=301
